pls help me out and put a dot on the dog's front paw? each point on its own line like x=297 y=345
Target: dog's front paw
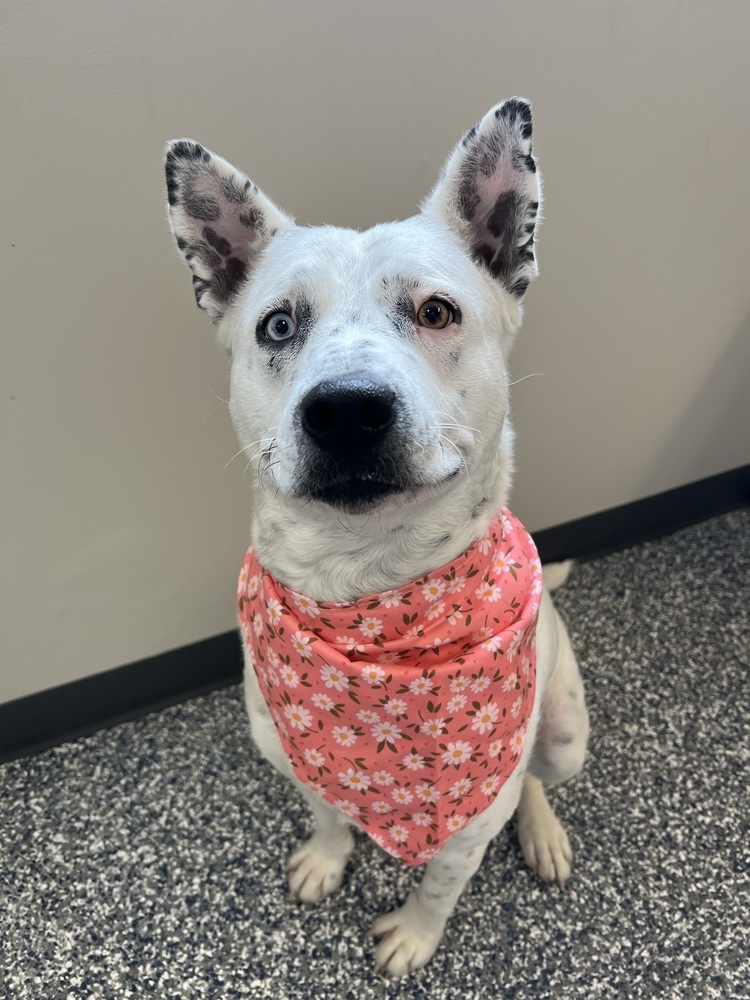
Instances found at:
x=409 y=939
x=316 y=868
x=545 y=846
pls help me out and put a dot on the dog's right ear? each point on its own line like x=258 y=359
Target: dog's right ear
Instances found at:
x=220 y=220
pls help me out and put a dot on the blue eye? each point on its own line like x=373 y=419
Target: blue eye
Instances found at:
x=279 y=326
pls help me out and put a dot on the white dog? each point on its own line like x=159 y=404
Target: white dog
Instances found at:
x=369 y=392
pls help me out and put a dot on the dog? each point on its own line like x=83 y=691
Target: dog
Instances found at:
x=369 y=393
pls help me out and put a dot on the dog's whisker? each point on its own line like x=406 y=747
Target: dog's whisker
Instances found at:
x=524 y=377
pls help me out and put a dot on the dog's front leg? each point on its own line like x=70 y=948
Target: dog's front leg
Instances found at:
x=316 y=868
x=410 y=934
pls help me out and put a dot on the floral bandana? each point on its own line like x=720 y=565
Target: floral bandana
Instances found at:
x=406 y=710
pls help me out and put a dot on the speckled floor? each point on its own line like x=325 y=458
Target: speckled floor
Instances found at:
x=146 y=861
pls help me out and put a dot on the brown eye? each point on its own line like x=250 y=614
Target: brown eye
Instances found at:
x=435 y=314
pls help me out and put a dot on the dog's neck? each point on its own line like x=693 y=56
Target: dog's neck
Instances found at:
x=336 y=557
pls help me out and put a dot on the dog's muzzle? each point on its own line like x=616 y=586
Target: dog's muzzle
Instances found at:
x=351 y=428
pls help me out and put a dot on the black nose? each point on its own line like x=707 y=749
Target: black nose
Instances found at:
x=348 y=417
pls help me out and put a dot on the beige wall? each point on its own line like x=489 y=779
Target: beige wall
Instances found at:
x=122 y=528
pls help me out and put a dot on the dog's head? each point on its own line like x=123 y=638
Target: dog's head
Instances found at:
x=368 y=368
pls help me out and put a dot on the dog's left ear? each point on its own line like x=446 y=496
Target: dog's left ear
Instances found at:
x=489 y=193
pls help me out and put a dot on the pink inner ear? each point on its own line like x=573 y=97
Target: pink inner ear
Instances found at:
x=230 y=224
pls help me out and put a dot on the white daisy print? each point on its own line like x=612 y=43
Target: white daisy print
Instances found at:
x=306 y=605
x=334 y=678
x=299 y=717
x=435 y=610
x=489 y=592
x=515 y=708
x=434 y=589
x=517 y=739
x=289 y=676
x=322 y=701
x=390 y=598
x=382 y=807
x=352 y=778
x=273 y=677
x=413 y=762
x=396 y=707
x=253 y=586
x=486 y=717
x=484 y=633
x=257 y=625
x=352 y=646
x=493 y=644
x=389 y=657
x=453 y=619
x=422 y=819
x=484 y=545
x=456 y=703
x=460 y=683
x=421 y=685
x=382 y=778
x=314 y=757
x=489 y=785
x=274 y=610
x=455 y=823
x=495 y=748
x=373 y=674
x=401 y=795
x=344 y=735
x=427 y=854
x=273 y=658
x=399 y=833
x=460 y=788
x=367 y=716
x=504 y=562
x=348 y=808
x=511 y=682
x=480 y=684
x=456 y=753
x=302 y=644
x=514 y=645
x=386 y=731
x=433 y=727
x=458 y=584
x=427 y=793
x=371 y=627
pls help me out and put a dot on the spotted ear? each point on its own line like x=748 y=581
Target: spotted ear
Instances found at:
x=220 y=220
x=489 y=193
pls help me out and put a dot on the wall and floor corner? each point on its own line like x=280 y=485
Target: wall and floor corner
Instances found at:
x=122 y=529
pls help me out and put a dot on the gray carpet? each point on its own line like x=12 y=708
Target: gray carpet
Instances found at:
x=146 y=861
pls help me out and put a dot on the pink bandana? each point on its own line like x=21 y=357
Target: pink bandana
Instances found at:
x=406 y=710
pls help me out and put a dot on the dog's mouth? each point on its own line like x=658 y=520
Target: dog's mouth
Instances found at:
x=365 y=490
x=358 y=492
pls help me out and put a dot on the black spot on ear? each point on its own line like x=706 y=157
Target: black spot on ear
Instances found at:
x=519 y=288
x=223 y=246
x=199 y=207
x=235 y=272
x=185 y=150
x=502 y=221
x=253 y=218
x=468 y=197
x=515 y=111
x=235 y=191
x=469 y=135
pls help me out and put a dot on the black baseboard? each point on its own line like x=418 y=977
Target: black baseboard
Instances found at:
x=619 y=528
x=67 y=712
x=48 y=718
